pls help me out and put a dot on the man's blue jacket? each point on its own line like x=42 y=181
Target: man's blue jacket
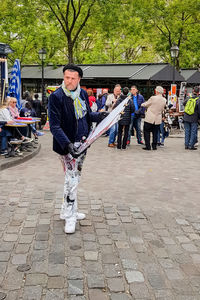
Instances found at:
x=62 y=120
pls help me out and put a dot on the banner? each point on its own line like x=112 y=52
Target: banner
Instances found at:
x=103 y=126
x=15 y=83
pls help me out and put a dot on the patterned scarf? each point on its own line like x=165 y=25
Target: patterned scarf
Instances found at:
x=79 y=104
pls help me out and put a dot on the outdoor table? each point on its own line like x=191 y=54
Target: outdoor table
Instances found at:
x=16 y=124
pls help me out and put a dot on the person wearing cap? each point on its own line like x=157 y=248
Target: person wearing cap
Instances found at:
x=153 y=117
x=70 y=119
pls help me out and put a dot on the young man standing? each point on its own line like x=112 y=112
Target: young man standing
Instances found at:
x=70 y=120
x=136 y=116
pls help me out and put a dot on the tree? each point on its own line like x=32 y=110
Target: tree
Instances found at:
x=170 y=22
x=72 y=16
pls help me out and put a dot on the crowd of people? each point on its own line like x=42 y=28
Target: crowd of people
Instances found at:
x=156 y=115
x=10 y=134
x=154 y=112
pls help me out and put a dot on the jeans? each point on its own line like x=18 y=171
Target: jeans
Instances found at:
x=4 y=138
x=135 y=123
x=190 y=134
x=113 y=133
x=161 y=131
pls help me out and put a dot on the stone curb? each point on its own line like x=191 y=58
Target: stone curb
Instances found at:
x=14 y=161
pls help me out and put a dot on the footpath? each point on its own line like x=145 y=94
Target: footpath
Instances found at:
x=140 y=240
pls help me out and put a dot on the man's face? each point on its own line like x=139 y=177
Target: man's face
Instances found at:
x=71 y=80
x=117 y=91
x=134 y=91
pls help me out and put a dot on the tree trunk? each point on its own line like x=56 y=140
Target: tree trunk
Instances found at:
x=70 y=52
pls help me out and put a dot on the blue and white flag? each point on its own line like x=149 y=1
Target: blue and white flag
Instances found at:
x=15 y=83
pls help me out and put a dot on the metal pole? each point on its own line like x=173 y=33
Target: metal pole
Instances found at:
x=174 y=70
x=42 y=80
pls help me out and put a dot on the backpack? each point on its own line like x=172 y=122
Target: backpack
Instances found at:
x=190 y=105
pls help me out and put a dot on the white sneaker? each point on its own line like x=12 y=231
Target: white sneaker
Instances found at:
x=80 y=216
x=70 y=225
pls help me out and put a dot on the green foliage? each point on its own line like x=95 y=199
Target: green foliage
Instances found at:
x=102 y=31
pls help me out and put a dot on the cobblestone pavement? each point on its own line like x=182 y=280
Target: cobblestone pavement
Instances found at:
x=140 y=239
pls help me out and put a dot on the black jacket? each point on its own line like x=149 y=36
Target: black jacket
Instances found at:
x=62 y=120
x=129 y=109
x=194 y=117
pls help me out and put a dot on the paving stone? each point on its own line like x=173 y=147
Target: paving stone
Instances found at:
x=129 y=264
x=122 y=244
x=89 y=237
x=190 y=247
x=75 y=287
x=95 y=281
x=74 y=273
x=196 y=258
x=3 y=267
x=10 y=237
x=42 y=236
x=4 y=256
x=36 y=279
x=136 y=240
x=134 y=276
x=55 y=282
x=182 y=222
x=183 y=239
x=174 y=274
x=40 y=245
x=26 y=239
x=32 y=292
x=166 y=263
x=40 y=267
x=56 y=258
x=91 y=255
x=156 y=281
x=112 y=271
x=115 y=284
x=120 y=296
x=190 y=269
x=139 y=290
x=22 y=248
x=54 y=294
x=109 y=258
x=57 y=270
x=93 y=267
x=95 y=294
x=103 y=240
x=90 y=246
x=74 y=261
x=19 y=259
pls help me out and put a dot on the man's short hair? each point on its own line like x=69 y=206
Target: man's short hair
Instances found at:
x=125 y=91
x=73 y=68
x=134 y=87
x=36 y=96
x=117 y=85
x=196 y=90
x=159 y=89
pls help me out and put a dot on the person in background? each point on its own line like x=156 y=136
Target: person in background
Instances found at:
x=110 y=102
x=137 y=115
x=92 y=100
x=124 y=122
x=37 y=106
x=191 y=121
x=153 y=117
x=5 y=133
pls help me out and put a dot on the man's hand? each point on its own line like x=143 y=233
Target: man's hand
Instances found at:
x=10 y=122
x=73 y=150
x=104 y=114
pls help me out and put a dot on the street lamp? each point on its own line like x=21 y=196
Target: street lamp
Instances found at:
x=174 y=50
x=42 y=56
